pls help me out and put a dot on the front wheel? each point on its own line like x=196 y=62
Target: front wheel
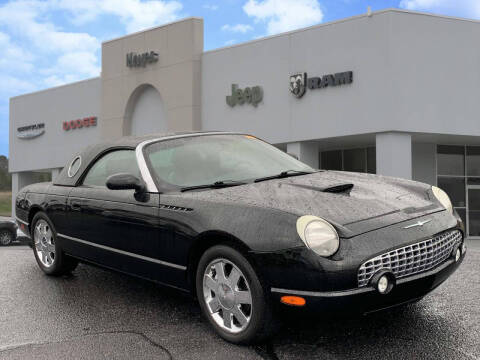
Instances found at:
x=231 y=296
x=48 y=253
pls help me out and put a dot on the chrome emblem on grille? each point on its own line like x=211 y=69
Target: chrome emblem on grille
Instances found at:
x=418 y=223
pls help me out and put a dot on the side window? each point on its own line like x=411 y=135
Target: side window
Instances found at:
x=119 y=161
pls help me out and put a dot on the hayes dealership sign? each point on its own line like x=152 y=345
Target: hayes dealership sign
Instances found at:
x=80 y=123
x=141 y=60
x=30 y=131
x=248 y=95
x=300 y=82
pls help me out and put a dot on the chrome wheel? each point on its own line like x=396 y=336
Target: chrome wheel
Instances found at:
x=44 y=243
x=5 y=238
x=227 y=295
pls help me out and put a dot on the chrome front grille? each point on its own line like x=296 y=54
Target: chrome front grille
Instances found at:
x=411 y=259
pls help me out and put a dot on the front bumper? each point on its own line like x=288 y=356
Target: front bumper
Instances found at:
x=368 y=299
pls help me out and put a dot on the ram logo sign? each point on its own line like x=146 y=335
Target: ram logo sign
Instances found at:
x=300 y=82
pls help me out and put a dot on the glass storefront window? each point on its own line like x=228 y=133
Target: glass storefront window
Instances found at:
x=473 y=181
x=458 y=173
x=455 y=188
x=357 y=160
x=473 y=160
x=371 y=160
x=450 y=160
x=332 y=160
x=474 y=212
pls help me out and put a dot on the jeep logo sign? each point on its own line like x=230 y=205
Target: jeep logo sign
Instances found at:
x=298 y=86
x=248 y=95
x=141 y=60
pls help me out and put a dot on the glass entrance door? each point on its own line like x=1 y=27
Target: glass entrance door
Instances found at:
x=473 y=213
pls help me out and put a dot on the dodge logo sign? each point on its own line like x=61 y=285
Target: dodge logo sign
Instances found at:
x=297 y=84
x=80 y=123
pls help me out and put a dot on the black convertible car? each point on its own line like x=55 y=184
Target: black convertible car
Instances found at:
x=243 y=226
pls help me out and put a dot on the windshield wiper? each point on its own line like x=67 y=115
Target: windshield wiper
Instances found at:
x=215 y=185
x=284 y=174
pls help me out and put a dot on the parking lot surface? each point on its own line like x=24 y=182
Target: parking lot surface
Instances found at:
x=97 y=314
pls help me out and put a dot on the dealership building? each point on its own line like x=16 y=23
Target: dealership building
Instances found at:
x=391 y=92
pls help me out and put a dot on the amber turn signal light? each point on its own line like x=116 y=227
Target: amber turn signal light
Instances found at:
x=293 y=300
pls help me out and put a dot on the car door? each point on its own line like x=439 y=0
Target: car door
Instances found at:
x=112 y=227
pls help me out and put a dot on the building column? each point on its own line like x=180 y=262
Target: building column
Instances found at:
x=394 y=154
x=306 y=152
x=15 y=188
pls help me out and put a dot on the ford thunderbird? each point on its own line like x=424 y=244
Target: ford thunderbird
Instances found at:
x=244 y=227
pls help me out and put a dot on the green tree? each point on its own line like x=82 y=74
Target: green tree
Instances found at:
x=5 y=177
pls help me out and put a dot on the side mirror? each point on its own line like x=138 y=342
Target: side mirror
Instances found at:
x=124 y=181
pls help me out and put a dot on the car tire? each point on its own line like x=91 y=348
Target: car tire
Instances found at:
x=47 y=251
x=6 y=237
x=224 y=299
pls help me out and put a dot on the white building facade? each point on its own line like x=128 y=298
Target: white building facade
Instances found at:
x=394 y=93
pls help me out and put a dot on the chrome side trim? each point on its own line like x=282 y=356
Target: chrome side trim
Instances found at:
x=323 y=294
x=21 y=221
x=118 y=251
x=363 y=289
x=142 y=163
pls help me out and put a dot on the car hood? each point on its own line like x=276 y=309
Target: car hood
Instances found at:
x=373 y=202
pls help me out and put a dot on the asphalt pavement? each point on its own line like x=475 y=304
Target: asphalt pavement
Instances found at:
x=98 y=314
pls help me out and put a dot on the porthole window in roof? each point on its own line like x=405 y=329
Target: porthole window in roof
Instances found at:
x=74 y=166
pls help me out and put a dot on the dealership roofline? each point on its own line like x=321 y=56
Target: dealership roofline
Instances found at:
x=153 y=28
x=54 y=87
x=355 y=17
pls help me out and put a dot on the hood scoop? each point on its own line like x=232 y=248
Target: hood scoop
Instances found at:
x=335 y=189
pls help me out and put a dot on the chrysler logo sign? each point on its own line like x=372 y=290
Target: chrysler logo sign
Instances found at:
x=300 y=82
x=30 y=131
x=141 y=60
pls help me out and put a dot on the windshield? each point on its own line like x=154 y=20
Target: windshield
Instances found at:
x=206 y=159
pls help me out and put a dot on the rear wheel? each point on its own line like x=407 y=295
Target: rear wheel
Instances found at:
x=48 y=253
x=6 y=237
x=231 y=296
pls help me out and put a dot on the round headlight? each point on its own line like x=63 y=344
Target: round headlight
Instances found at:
x=318 y=235
x=443 y=198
